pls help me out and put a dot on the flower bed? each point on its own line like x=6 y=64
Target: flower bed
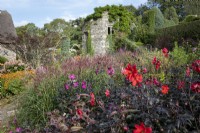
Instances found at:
x=127 y=92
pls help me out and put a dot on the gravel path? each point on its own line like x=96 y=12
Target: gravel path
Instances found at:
x=7 y=109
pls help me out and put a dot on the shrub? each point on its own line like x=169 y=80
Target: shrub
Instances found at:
x=166 y=36
x=3 y=60
x=191 y=18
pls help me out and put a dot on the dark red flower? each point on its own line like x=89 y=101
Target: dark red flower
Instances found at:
x=165 y=89
x=132 y=75
x=79 y=112
x=165 y=52
x=180 y=84
x=196 y=87
x=142 y=129
x=156 y=62
x=196 y=66
x=92 y=99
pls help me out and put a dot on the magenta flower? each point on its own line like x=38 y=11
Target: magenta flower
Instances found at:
x=75 y=84
x=110 y=71
x=84 y=85
x=72 y=76
x=10 y=132
x=156 y=82
x=18 y=130
x=66 y=86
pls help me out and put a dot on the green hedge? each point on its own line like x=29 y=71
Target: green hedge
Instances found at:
x=184 y=31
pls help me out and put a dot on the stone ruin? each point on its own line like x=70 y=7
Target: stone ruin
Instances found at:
x=7 y=35
x=99 y=31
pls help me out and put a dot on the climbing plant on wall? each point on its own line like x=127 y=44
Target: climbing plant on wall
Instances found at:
x=121 y=17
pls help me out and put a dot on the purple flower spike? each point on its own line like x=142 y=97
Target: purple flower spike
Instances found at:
x=110 y=71
x=66 y=86
x=75 y=84
x=84 y=86
x=72 y=76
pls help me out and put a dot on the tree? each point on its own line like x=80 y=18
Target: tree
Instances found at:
x=170 y=14
x=33 y=44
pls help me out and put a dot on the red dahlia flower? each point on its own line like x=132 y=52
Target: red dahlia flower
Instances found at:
x=142 y=129
x=165 y=52
x=196 y=87
x=165 y=89
x=132 y=75
x=196 y=66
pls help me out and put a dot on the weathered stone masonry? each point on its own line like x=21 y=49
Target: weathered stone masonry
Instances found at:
x=99 y=30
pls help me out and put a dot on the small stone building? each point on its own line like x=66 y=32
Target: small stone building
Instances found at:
x=7 y=35
x=99 y=31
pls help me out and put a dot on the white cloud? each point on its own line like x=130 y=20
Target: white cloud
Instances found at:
x=21 y=23
x=4 y=4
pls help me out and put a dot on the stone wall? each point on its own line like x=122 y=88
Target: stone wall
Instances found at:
x=99 y=31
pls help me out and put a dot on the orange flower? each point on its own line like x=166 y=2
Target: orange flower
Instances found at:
x=142 y=129
x=132 y=75
x=165 y=89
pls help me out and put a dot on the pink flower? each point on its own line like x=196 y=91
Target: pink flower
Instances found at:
x=18 y=129
x=107 y=93
x=125 y=128
x=110 y=71
x=165 y=52
x=72 y=76
x=75 y=84
x=144 y=70
x=84 y=86
x=66 y=86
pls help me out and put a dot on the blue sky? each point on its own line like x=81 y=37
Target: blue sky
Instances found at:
x=44 y=11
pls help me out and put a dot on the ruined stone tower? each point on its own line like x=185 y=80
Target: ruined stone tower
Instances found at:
x=99 y=31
